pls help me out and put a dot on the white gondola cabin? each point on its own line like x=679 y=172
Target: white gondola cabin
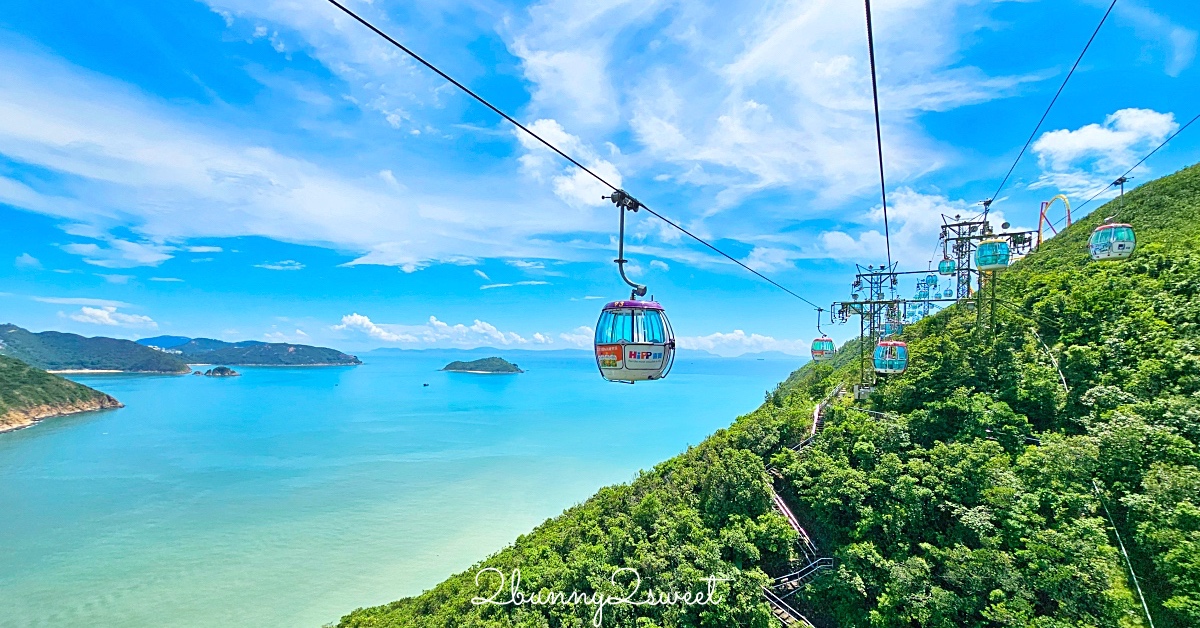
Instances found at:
x=1112 y=241
x=634 y=342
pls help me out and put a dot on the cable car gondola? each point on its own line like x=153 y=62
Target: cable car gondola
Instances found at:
x=822 y=349
x=947 y=267
x=1112 y=241
x=891 y=357
x=892 y=328
x=634 y=340
x=993 y=254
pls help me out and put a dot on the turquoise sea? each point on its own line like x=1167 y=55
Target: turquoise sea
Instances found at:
x=290 y=496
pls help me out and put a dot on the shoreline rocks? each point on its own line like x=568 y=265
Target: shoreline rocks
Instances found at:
x=19 y=419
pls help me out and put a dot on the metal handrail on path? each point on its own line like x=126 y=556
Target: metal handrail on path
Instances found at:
x=810 y=548
x=793 y=581
x=818 y=422
x=786 y=615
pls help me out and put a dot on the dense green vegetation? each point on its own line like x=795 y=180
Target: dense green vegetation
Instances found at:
x=23 y=387
x=249 y=352
x=484 y=365
x=973 y=494
x=57 y=351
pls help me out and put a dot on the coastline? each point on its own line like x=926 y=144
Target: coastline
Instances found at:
x=274 y=365
x=117 y=371
x=14 y=420
x=278 y=365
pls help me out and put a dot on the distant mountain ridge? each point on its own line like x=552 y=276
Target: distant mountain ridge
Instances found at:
x=248 y=352
x=576 y=353
x=57 y=351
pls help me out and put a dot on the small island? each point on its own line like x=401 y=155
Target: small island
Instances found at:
x=484 y=366
x=221 y=371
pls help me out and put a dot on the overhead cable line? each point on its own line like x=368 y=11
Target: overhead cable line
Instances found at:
x=1037 y=318
x=1127 y=172
x=887 y=235
x=1037 y=128
x=1124 y=553
x=554 y=148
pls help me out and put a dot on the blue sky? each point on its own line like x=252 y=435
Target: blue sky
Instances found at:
x=269 y=169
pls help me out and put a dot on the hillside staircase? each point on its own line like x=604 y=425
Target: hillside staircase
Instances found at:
x=812 y=562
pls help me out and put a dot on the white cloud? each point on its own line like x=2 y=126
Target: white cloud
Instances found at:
x=579 y=337
x=482 y=275
x=1081 y=161
x=140 y=165
x=436 y=333
x=746 y=96
x=358 y=322
x=120 y=253
x=108 y=315
x=736 y=97
x=574 y=186
x=167 y=279
x=101 y=303
x=660 y=265
x=526 y=265
x=26 y=260
x=768 y=258
x=1111 y=140
x=492 y=286
x=915 y=221
x=296 y=337
x=287 y=264
x=1177 y=43
x=738 y=342
x=541 y=339
x=117 y=279
x=204 y=249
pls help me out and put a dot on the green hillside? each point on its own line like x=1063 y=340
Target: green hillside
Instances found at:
x=274 y=354
x=972 y=494
x=25 y=390
x=249 y=352
x=57 y=351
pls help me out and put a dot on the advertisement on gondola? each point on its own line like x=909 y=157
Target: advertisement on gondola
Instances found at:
x=643 y=357
x=609 y=356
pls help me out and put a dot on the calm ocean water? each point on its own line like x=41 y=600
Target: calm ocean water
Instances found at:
x=288 y=497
